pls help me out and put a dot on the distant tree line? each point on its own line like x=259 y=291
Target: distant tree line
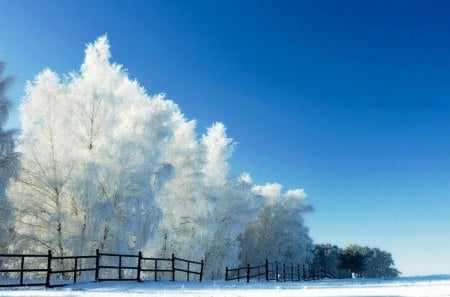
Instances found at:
x=354 y=261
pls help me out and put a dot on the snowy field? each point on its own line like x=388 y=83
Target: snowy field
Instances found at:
x=424 y=286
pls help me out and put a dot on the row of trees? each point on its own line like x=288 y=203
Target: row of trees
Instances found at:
x=100 y=164
x=354 y=261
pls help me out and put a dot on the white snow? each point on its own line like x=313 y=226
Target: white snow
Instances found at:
x=401 y=287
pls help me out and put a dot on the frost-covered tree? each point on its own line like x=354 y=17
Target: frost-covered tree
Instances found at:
x=8 y=160
x=235 y=205
x=204 y=210
x=278 y=233
x=91 y=156
x=104 y=165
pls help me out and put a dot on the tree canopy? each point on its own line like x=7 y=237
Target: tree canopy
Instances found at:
x=354 y=261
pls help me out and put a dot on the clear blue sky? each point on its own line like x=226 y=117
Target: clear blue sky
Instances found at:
x=347 y=99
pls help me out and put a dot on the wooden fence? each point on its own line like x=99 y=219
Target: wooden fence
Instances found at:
x=32 y=270
x=22 y=271
x=276 y=272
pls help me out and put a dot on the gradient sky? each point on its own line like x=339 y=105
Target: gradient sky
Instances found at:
x=349 y=100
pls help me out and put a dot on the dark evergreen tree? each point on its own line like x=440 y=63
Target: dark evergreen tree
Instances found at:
x=352 y=259
x=327 y=256
x=378 y=263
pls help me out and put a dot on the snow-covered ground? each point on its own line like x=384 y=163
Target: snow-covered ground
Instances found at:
x=422 y=286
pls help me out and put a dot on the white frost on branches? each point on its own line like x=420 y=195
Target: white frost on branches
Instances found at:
x=278 y=232
x=104 y=165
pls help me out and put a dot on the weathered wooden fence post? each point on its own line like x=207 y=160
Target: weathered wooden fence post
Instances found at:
x=120 y=267
x=276 y=270
x=267 y=270
x=292 y=272
x=188 y=270
x=97 y=264
x=75 y=270
x=22 y=264
x=139 y=267
x=173 y=267
x=298 y=272
x=201 y=270
x=226 y=273
x=49 y=268
x=248 y=272
x=284 y=272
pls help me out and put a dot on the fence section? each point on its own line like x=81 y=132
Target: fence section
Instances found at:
x=50 y=271
x=17 y=269
x=237 y=273
x=64 y=269
x=187 y=269
x=118 y=267
x=276 y=272
x=156 y=268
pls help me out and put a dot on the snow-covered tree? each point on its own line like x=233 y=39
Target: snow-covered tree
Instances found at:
x=234 y=202
x=278 y=232
x=8 y=160
x=232 y=217
x=204 y=210
x=185 y=207
x=91 y=154
x=104 y=165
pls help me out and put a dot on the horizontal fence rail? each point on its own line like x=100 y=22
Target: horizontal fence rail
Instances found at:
x=50 y=271
x=188 y=270
x=22 y=267
x=276 y=272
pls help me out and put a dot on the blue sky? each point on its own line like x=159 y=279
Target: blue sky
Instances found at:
x=347 y=99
